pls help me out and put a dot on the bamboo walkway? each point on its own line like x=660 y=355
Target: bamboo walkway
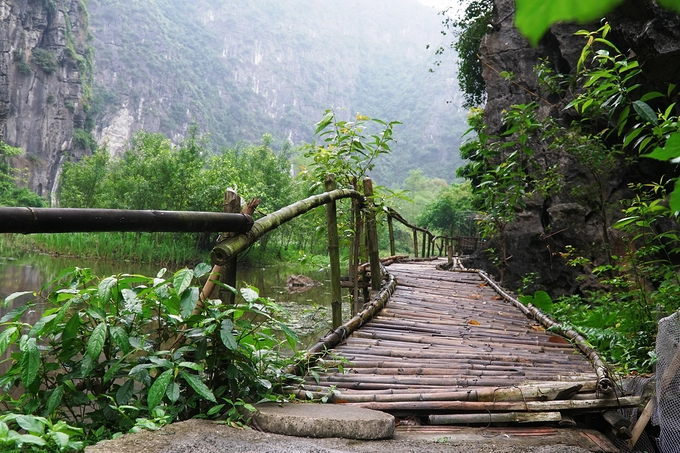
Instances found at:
x=449 y=350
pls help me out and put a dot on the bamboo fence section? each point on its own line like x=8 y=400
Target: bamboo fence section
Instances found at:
x=452 y=348
x=238 y=243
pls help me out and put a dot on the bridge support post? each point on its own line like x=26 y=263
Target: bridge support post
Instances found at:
x=415 y=243
x=334 y=255
x=372 y=233
x=391 y=228
x=232 y=204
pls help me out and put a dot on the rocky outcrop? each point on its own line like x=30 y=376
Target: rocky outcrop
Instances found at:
x=538 y=237
x=41 y=93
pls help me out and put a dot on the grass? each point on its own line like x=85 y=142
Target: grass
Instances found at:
x=160 y=248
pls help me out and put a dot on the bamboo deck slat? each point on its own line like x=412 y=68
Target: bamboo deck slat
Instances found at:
x=446 y=342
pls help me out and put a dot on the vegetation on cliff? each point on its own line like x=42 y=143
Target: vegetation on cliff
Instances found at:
x=618 y=118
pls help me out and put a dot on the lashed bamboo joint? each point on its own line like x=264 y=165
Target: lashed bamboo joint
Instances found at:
x=453 y=346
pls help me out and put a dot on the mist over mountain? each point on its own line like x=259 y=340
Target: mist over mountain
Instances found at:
x=241 y=69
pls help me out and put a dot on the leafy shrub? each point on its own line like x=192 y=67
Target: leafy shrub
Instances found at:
x=129 y=352
x=84 y=139
x=45 y=60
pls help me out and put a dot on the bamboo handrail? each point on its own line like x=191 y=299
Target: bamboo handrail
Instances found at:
x=604 y=382
x=240 y=242
x=71 y=220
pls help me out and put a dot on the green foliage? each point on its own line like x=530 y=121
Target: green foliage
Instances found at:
x=10 y=192
x=84 y=140
x=451 y=212
x=534 y=17
x=350 y=149
x=469 y=29
x=21 y=433
x=45 y=60
x=504 y=173
x=128 y=352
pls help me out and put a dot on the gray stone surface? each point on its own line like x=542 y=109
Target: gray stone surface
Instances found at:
x=202 y=436
x=324 y=420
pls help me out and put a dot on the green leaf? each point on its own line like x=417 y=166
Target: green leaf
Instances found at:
x=249 y=294
x=105 y=288
x=291 y=336
x=120 y=337
x=215 y=409
x=54 y=400
x=188 y=302
x=182 y=280
x=671 y=149
x=13 y=296
x=651 y=95
x=173 y=392
x=29 y=439
x=158 y=388
x=96 y=342
x=534 y=17
x=191 y=365
x=202 y=269
x=86 y=366
x=29 y=360
x=540 y=300
x=112 y=371
x=32 y=424
x=36 y=330
x=14 y=314
x=227 y=335
x=645 y=112
x=125 y=392
x=7 y=337
x=197 y=384
x=670 y=4
x=675 y=198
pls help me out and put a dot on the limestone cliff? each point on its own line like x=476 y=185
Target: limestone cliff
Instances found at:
x=42 y=48
x=546 y=225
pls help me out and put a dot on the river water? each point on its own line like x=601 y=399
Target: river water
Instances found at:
x=310 y=310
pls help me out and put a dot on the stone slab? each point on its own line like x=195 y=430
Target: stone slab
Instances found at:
x=324 y=420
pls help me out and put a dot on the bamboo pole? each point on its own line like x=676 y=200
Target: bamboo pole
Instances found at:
x=415 y=243
x=488 y=418
x=240 y=242
x=372 y=235
x=334 y=254
x=71 y=220
x=390 y=226
x=357 y=250
x=505 y=406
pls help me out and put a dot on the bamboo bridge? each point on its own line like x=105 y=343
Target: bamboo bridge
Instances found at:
x=429 y=341
x=450 y=347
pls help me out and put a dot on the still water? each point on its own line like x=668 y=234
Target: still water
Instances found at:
x=310 y=310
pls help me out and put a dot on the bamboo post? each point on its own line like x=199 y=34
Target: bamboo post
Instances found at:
x=334 y=254
x=372 y=235
x=391 y=228
x=232 y=204
x=415 y=243
x=356 y=305
x=423 y=244
x=449 y=253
